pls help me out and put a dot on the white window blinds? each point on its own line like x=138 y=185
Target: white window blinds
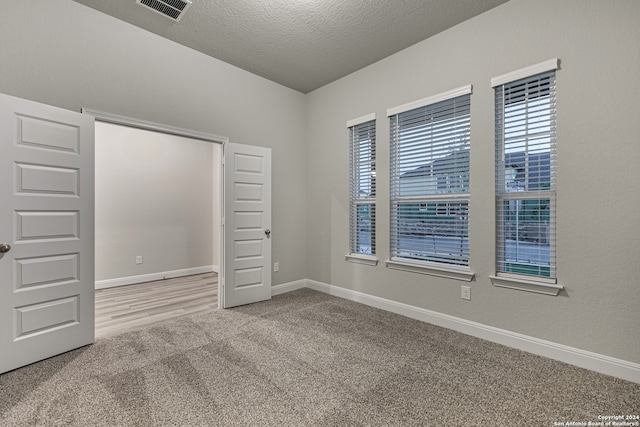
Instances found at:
x=362 y=141
x=526 y=176
x=430 y=181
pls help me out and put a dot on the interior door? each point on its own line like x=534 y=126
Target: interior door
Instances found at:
x=247 y=223
x=46 y=231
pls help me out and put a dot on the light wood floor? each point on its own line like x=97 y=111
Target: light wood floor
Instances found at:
x=132 y=307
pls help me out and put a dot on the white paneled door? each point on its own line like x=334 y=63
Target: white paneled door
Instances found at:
x=46 y=231
x=247 y=225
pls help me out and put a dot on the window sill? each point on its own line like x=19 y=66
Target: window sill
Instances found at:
x=547 y=287
x=431 y=269
x=362 y=259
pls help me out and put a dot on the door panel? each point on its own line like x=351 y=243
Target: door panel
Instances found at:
x=46 y=216
x=44 y=133
x=247 y=258
x=40 y=179
x=50 y=270
x=46 y=225
x=47 y=316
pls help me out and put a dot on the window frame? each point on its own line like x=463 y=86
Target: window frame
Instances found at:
x=430 y=197
x=538 y=283
x=355 y=201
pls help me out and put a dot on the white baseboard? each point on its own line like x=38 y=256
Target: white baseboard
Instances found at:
x=121 y=281
x=619 y=368
x=288 y=287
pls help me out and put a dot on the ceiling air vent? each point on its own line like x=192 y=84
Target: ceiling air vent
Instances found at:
x=172 y=9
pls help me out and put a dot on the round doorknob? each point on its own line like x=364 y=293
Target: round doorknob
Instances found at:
x=267 y=232
x=4 y=248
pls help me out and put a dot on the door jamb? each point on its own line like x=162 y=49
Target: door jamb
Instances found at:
x=171 y=130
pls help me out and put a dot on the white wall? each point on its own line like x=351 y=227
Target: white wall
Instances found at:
x=61 y=53
x=598 y=239
x=154 y=198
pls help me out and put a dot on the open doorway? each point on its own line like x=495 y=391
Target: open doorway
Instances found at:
x=157 y=226
x=55 y=175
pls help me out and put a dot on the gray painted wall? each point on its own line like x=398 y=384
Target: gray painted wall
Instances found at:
x=65 y=54
x=154 y=198
x=598 y=238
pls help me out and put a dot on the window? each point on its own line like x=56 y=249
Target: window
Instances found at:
x=362 y=223
x=430 y=142
x=526 y=176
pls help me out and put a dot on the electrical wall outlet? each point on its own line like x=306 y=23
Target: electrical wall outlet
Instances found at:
x=276 y=266
x=465 y=292
x=139 y=259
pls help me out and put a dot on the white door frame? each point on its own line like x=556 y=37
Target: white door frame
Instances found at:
x=102 y=116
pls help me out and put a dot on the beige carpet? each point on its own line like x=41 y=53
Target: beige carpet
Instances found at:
x=305 y=359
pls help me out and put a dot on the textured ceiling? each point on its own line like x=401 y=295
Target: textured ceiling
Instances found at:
x=302 y=44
